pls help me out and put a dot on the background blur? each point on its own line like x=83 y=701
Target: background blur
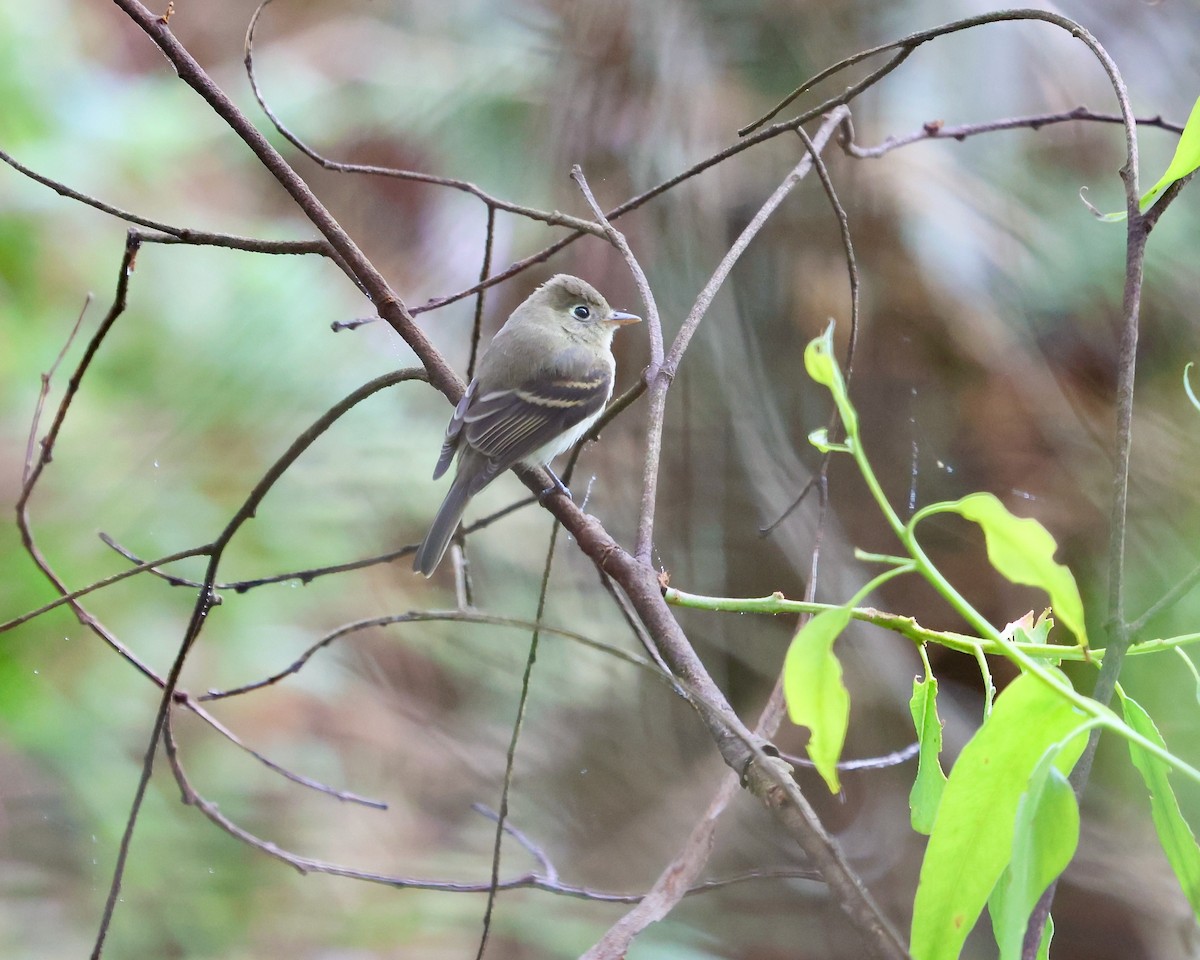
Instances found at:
x=990 y=304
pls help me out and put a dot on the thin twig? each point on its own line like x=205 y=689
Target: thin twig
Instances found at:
x=304 y=577
x=432 y=616
x=906 y=45
x=549 y=871
x=617 y=239
x=654 y=323
x=360 y=270
x=32 y=473
x=44 y=392
x=528 y=881
x=893 y=759
x=843 y=220
x=1167 y=600
x=936 y=130
x=140 y=567
x=510 y=756
x=834 y=425
x=344 y=795
x=462 y=568
x=206 y=599
x=493 y=203
x=174 y=233
x=485 y=269
x=660 y=382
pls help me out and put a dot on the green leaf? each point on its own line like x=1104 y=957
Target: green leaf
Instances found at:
x=927 y=789
x=1021 y=550
x=816 y=697
x=972 y=839
x=1185 y=161
x=1178 y=841
x=822 y=366
x=996 y=903
x=818 y=359
x=1047 y=935
x=1045 y=835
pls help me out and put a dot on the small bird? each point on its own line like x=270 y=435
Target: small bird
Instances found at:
x=543 y=381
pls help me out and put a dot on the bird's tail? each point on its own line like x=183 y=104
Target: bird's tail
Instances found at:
x=433 y=547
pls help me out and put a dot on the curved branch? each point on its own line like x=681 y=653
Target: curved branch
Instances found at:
x=173 y=234
x=554 y=218
x=356 y=265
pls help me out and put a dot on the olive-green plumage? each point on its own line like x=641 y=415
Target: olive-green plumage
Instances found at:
x=543 y=381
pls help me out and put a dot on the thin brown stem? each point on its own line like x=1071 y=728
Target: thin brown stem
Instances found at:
x=205 y=601
x=432 y=616
x=172 y=232
x=357 y=266
x=659 y=381
x=654 y=323
x=936 y=130
x=547 y=881
x=510 y=756
x=33 y=472
x=617 y=239
x=493 y=203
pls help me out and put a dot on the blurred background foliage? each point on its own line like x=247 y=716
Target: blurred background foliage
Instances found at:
x=990 y=305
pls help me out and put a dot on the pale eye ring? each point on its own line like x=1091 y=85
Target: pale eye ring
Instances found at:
x=581 y=312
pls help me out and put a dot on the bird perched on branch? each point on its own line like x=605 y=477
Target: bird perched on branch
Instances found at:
x=542 y=383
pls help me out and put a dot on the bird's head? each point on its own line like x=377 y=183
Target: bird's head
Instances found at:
x=577 y=307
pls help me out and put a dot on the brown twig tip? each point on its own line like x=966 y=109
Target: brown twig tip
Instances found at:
x=165 y=19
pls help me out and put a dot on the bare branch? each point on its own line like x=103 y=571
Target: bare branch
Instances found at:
x=174 y=234
x=510 y=755
x=617 y=239
x=529 y=881
x=206 y=599
x=554 y=219
x=548 y=869
x=435 y=616
x=359 y=269
x=936 y=130
x=906 y=45
x=31 y=441
x=344 y=795
x=140 y=567
x=818 y=480
x=660 y=380
x=33 y=471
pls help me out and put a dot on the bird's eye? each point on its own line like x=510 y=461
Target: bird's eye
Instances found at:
x=581 y=312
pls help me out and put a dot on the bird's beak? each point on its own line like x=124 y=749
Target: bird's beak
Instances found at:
x=619 y=319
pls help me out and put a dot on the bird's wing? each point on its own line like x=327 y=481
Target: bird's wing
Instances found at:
x=454 y=431
x=507 y=426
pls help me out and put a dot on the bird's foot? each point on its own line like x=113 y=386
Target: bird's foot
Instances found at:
x=557 y=487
